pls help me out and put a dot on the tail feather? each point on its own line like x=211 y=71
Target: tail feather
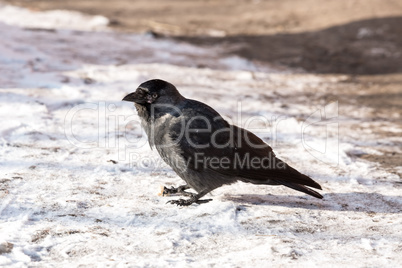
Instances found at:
x=291 y=176
x=309 y=182
x=302 y=188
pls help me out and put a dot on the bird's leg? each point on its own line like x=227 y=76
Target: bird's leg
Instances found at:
x=195 y=198
x=179 y=190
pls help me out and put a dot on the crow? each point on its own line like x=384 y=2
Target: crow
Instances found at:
x=204 y=149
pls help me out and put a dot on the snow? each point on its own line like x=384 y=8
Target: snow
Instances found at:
x=65 y=203
x=60 y=19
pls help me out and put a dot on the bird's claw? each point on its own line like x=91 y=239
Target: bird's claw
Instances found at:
x=169 y=191
x=176 y=191
x=180 y=202
x=187 y=202
x=203 y=201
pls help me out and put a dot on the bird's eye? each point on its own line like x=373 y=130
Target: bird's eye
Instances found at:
x=154 y=95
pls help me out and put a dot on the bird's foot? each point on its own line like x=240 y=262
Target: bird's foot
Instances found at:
x=169 y=191
x=176 y=191
x=187 y=202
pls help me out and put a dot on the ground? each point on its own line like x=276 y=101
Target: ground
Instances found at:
x=352 y=37
x=321 y=84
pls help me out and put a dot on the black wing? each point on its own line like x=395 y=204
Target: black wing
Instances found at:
x=209 y=142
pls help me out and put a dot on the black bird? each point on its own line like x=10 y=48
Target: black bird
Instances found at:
x=204 y=149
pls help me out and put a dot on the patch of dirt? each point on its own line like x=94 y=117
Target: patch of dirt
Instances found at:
x=349 y=37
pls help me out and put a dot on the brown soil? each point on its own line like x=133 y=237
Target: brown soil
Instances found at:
x=335 y=36
x=360 y=38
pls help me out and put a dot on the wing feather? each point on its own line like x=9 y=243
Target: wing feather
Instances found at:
x=233 y=151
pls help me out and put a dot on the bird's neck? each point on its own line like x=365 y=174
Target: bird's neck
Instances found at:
x=152 y=112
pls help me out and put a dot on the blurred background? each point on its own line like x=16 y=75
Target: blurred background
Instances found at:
x=335 y=36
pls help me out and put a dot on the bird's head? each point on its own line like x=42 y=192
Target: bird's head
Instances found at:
x=155 y=91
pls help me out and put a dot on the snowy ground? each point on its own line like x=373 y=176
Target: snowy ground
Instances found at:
x=79 y=185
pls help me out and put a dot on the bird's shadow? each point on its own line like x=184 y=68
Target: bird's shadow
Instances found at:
x=356 y=201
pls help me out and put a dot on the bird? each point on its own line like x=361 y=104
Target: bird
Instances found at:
x=204 y=149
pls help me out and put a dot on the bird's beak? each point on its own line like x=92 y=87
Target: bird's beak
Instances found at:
x=133 y=97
